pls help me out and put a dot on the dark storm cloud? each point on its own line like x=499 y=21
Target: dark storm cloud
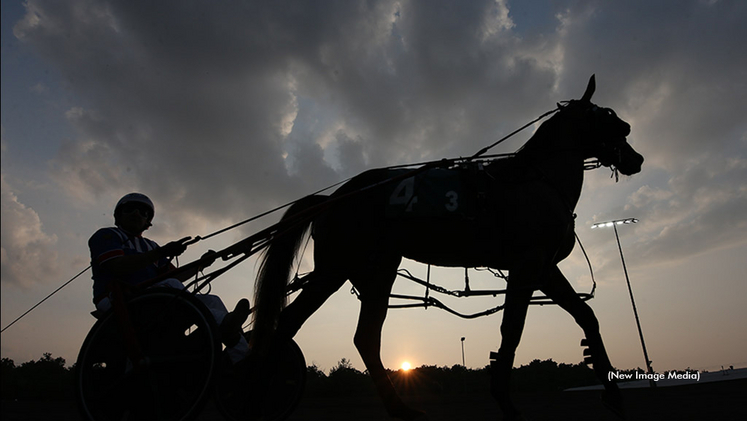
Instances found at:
x=679 y=78
x=161 y=98
x=227 y=109
x=674 y=64
x=192 y=94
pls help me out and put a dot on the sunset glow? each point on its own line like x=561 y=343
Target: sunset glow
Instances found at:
x=405 y=366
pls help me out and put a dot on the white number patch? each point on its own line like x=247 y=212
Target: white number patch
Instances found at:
x=453 y=204
x=403 y=194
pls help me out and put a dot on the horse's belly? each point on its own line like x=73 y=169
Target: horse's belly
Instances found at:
x=455 y=243
x=495 y=237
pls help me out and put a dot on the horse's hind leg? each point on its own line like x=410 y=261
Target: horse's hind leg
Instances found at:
x=374 y=296
x=314 y=294
x=562 y=293
x=320 y=286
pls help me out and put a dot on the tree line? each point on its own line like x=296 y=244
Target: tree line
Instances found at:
x=45 y=379
x=344 y=379
x=48 y=379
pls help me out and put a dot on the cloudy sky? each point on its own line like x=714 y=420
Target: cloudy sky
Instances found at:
x=219 y=112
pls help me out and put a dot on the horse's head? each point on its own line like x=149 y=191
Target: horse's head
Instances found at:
x=601 y=133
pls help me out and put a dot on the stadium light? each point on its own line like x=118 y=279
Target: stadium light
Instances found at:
x=614 y=224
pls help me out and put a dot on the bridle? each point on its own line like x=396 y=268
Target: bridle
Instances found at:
x=614 y=149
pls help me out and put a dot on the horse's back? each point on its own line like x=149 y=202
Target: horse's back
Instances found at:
x=435 y=194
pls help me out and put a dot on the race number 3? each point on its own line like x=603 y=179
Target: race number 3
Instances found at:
x=403 y=194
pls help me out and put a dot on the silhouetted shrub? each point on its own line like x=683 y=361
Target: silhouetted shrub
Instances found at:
x=344 y=379
x=544 y=376
x=45 y=379
x=8 y=379
x=317 y=383
x=433 y=380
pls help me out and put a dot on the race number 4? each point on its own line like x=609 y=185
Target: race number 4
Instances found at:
x=404 y=194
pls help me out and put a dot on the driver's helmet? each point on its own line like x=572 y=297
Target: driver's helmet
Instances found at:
x=135 y=198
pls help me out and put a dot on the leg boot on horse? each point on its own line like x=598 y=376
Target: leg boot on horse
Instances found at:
x=561 y=292
x=596 y=355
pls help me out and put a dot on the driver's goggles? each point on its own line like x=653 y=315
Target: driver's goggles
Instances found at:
x=142 y=209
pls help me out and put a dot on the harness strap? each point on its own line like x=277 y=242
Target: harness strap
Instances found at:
x=487 y=148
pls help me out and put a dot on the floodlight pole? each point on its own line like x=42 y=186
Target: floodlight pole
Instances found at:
x=630 y=289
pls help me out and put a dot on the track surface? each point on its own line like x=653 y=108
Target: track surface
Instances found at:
x=718 y=400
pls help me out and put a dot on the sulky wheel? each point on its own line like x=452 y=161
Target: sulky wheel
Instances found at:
x=269 y=390
x=154 y=362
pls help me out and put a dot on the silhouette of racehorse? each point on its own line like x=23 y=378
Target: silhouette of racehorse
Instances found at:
x=523 y=222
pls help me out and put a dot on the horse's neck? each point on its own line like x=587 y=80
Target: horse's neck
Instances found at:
x=567 y=176
x=562 y=168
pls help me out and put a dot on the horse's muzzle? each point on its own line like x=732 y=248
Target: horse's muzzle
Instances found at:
x=630 y=161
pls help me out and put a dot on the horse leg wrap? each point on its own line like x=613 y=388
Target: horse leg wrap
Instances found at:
x=500 y=374
x=595 y=354
x=588 y=360
x=501 y=364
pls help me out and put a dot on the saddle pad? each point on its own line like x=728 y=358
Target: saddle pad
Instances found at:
x=436 y=193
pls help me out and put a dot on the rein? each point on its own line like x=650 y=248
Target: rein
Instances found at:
x=499 y=141
x=480 y=153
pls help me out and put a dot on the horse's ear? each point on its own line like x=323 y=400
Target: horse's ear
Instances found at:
x=590 y=89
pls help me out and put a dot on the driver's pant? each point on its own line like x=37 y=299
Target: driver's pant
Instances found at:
x=213 y=303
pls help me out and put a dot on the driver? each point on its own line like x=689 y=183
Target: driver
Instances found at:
x=122 y=253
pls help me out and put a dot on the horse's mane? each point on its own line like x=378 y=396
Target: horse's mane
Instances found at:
x=541 y=135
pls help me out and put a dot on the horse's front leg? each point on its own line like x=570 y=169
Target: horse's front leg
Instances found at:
x=368 y=342
x=562 y=293
x=512 y=326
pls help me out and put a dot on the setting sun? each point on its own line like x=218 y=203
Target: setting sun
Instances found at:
x=405 y=366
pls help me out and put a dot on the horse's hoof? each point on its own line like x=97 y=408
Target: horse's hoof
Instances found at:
x=613 y=402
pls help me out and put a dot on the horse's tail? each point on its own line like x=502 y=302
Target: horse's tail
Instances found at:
x=275 y=268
